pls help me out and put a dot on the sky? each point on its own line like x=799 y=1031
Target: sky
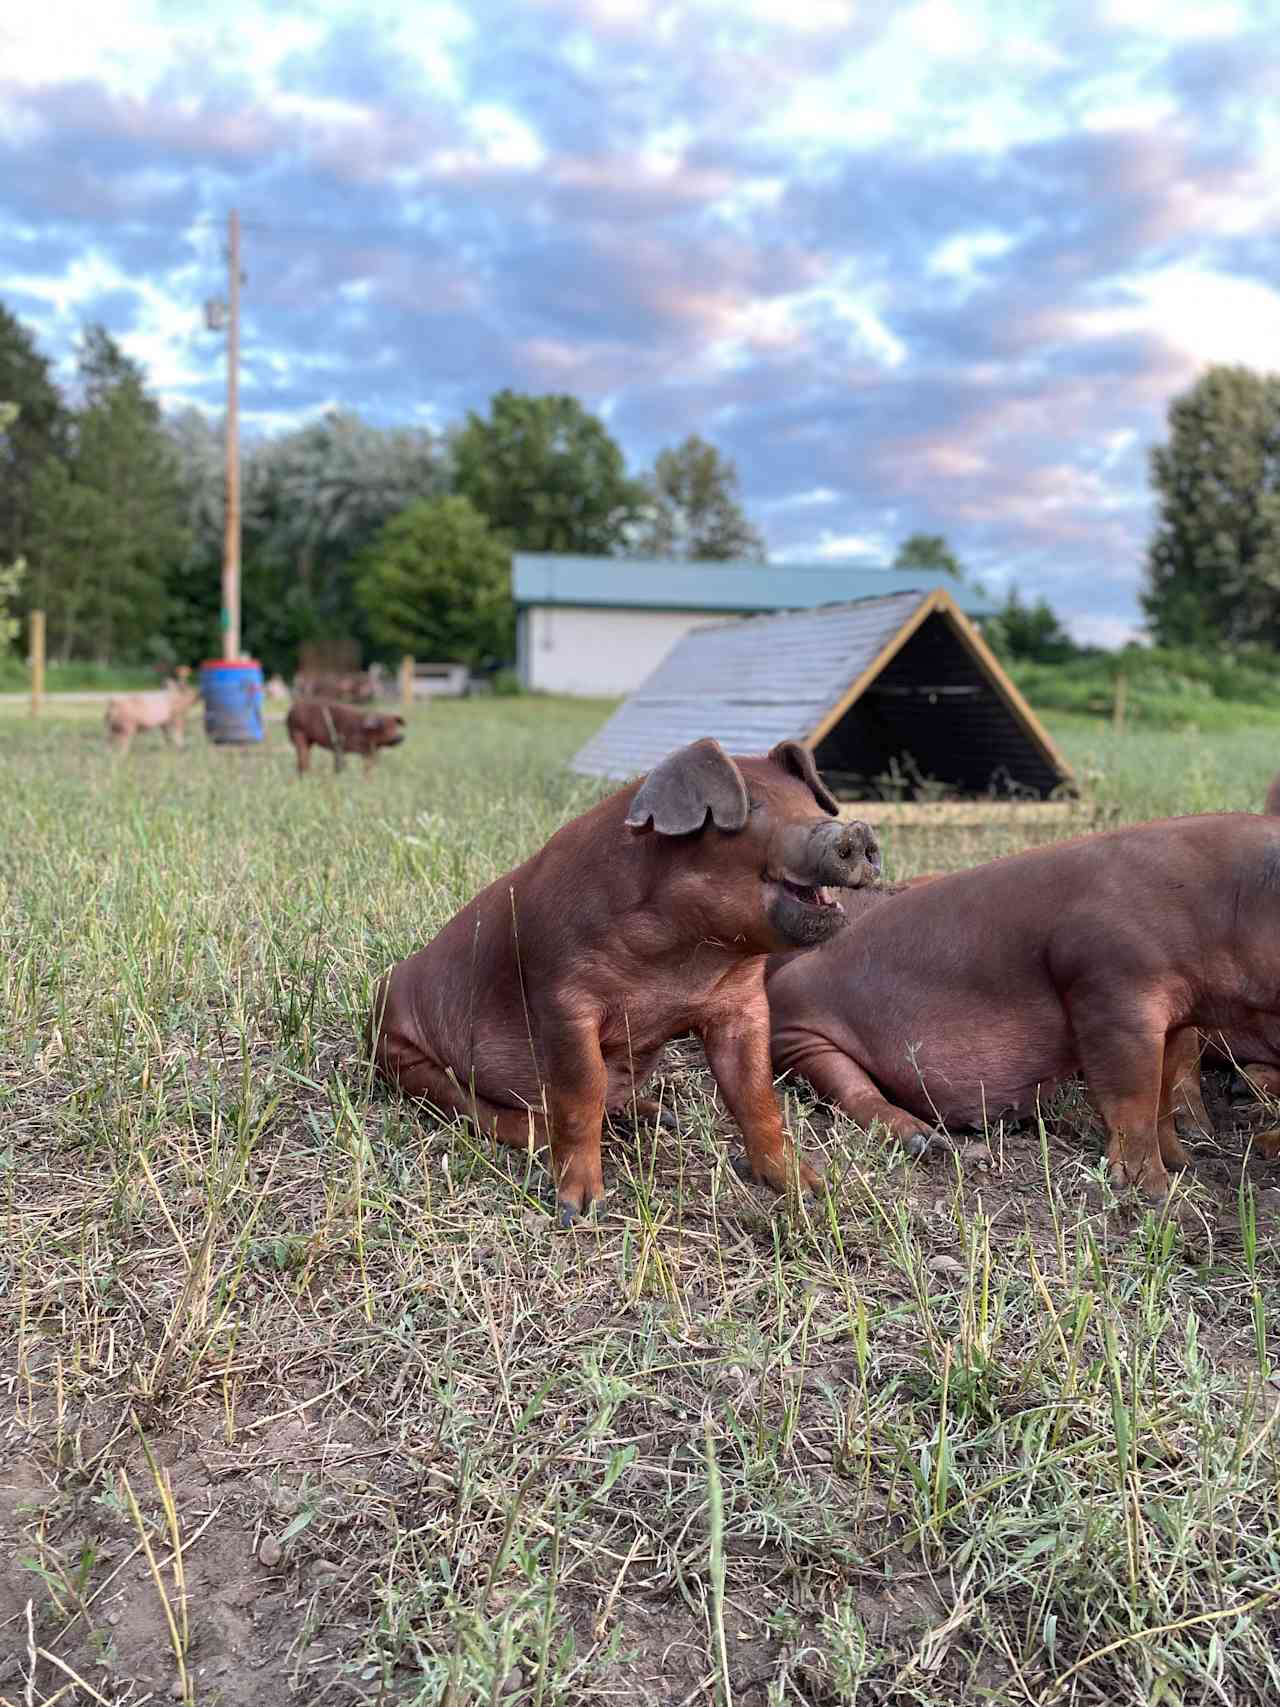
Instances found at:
x=936 y=265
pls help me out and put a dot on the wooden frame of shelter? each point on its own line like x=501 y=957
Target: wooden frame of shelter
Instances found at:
x=897 y=694
x=963 y=812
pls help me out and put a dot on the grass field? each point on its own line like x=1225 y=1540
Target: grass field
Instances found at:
x=303 y=1394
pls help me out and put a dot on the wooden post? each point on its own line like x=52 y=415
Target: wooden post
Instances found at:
x=231 y=537
x=36 y=633
x=1117 y=710
x=406 y=681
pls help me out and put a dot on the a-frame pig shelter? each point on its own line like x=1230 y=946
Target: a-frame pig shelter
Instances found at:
x=901 y=687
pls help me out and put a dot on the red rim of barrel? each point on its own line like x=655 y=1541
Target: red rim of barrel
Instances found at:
x=231 y=664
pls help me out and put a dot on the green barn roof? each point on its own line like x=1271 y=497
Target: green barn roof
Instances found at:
x=736 y=588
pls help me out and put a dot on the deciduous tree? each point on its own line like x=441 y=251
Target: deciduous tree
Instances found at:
x=547 y=475
x=928 y=551
x=311 y=501
x=1213 y=564
x=436 y=583
x=1029 y=633
x=693 y=507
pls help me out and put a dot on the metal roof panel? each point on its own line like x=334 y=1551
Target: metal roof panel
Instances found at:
x=549 y=578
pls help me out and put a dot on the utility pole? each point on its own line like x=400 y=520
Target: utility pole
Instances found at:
x=231 y=537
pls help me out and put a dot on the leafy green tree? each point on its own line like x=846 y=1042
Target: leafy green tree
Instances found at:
x=693 y=507
x=193 y=627
x=71 y=546
x=317 y=496
x=11 y=574
x=546 y=474
x=928 y=551
x=436 y=584
x=1029 y=633
x=107 y=523
x=37 y=430
x=311 y=501
x=1213 y=564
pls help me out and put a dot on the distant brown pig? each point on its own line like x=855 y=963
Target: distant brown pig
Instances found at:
x=163 y=708
x=340 y=728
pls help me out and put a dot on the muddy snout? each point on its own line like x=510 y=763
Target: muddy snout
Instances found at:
x=830 y=856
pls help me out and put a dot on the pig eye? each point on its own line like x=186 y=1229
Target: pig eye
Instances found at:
x=756 y=805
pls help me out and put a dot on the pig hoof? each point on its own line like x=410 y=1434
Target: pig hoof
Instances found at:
x=1152 y=1189
x=650 y=1114
x=918 y=1145
x=808 y=1179
x=567 y=1215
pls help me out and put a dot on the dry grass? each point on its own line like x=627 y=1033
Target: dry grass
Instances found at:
x=303 y=1396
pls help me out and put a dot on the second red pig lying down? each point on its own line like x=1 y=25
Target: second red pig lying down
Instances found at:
x=971 y=994
x=547 y=1000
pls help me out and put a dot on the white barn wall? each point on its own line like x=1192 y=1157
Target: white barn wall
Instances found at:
x=599 y=653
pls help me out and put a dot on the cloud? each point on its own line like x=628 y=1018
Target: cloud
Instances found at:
x=938 y=266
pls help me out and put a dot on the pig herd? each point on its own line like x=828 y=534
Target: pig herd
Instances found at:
x=724 y=897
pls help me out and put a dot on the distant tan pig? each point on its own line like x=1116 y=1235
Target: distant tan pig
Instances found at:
x=165 y=708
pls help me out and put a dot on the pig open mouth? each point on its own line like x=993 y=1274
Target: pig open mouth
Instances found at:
x=803 y=914
x=810 y=895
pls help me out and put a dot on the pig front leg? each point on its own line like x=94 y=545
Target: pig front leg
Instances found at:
x=577 y=1081
x=1121 y=1054
x=838 y=1079
x=1182 y=1051
x=1179 y=1093
x=738 y=1054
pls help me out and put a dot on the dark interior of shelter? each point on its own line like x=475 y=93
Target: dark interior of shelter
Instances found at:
x=933 y=725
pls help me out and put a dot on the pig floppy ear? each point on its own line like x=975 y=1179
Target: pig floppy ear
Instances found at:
x=678 y=793
x=797 y=761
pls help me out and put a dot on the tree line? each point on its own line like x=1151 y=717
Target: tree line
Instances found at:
x=111 y=520
x=397 y=538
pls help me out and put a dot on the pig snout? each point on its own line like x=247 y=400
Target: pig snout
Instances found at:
x=839 y=856
x=808 y=864
x=855 y=848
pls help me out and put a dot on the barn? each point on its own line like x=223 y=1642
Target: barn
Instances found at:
x=897 y=697
x=600 y=625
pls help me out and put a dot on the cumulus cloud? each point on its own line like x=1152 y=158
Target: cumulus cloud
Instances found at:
x=934 y=267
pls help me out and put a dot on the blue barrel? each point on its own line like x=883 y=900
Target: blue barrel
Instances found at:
x=232 y=700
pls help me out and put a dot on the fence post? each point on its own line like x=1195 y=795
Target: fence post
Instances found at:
x=36 y=634
x=406 y=681
x=1117 y=710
